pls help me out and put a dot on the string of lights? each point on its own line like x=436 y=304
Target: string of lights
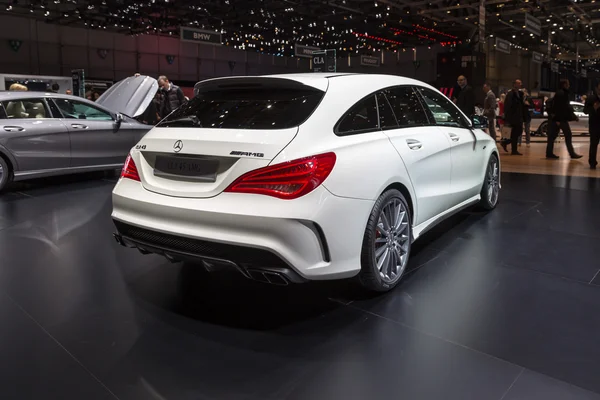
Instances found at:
x=403 y=32
x=436 y=32
x=349 y=26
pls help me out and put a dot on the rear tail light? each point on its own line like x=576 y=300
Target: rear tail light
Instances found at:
x=288 y=180
x=129 y=170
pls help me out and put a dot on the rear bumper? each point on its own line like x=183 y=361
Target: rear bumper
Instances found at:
x=269 y=268
x=315 y=237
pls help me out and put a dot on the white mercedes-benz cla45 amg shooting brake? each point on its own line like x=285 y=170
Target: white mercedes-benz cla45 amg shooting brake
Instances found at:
x=292 y=178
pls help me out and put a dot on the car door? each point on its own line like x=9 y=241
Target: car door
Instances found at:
x=36 y=140
x=468 y=164
x=424 y=149
x=97 y=139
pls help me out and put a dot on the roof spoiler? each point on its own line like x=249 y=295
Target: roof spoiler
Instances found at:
x=248 y=82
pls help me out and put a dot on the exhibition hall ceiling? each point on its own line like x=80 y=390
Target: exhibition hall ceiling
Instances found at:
x=349 y=26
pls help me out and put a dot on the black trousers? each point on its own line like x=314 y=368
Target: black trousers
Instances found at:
x=553 y=130
x=515 y=133
x=594 y=141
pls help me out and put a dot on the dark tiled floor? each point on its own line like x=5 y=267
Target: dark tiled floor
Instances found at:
x=496 y=306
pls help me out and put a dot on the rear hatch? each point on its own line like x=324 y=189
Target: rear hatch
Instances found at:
x=231 y=127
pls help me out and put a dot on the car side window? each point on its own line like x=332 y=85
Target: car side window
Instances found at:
x=407 y=107
x=361 y=117
x=387 y=119
x=577 y=108
x=444 y=112
x=73 y=109
x=54 y=108
x=26 y=109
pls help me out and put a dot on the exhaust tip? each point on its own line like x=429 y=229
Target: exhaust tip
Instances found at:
x=273 y=278
x=276 y=279
x=258 y=276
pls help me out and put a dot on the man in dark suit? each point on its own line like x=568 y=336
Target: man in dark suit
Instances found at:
x=513 y=117
x=592 y=108
x=489 y=108
x=559 y=116
x=465 y=99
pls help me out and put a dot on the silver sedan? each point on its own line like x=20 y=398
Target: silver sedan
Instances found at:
x=45 y=134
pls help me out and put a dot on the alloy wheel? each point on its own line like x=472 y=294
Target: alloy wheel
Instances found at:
x=493 y=182
x=392 y=240
x=1 y=173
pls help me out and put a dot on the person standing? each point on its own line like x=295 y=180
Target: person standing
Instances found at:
x=527 y=103
x=465 y=99
x=150 y=115
x=500 y=116
x=173 y=96
x=490 y=105
x=18 y=87
x=559 y=115
x=592 y=108
x=513 y=117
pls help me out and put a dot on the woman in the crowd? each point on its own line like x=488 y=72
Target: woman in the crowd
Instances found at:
x=500 y=118
x=18 y=86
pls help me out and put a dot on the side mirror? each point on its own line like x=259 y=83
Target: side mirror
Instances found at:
x=479 y=122
x=119 y=118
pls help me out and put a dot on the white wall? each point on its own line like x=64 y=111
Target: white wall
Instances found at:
x=49 y=49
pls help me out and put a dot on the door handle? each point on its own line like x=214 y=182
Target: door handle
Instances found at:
x=454 y=137
x=14 y=129
x=414 y=144
x=79 y=126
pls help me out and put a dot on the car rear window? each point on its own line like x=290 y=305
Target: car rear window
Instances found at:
x=246 y=108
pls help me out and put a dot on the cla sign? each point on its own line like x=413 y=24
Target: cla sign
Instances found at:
x=319 y=60
x=178 y=146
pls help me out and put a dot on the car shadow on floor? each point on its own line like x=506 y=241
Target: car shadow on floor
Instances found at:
x=228 y=299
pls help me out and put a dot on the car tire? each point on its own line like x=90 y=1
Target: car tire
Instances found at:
x=542 y=130
x=5 y=174
x=490 y=190
x=386 y=245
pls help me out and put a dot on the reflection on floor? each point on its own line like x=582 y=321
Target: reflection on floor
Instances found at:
x=495 y=306
x=533 y=160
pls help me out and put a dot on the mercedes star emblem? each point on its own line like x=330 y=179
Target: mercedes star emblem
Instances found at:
x=178 y=146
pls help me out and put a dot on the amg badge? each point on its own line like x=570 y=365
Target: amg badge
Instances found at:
x=246 y=154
